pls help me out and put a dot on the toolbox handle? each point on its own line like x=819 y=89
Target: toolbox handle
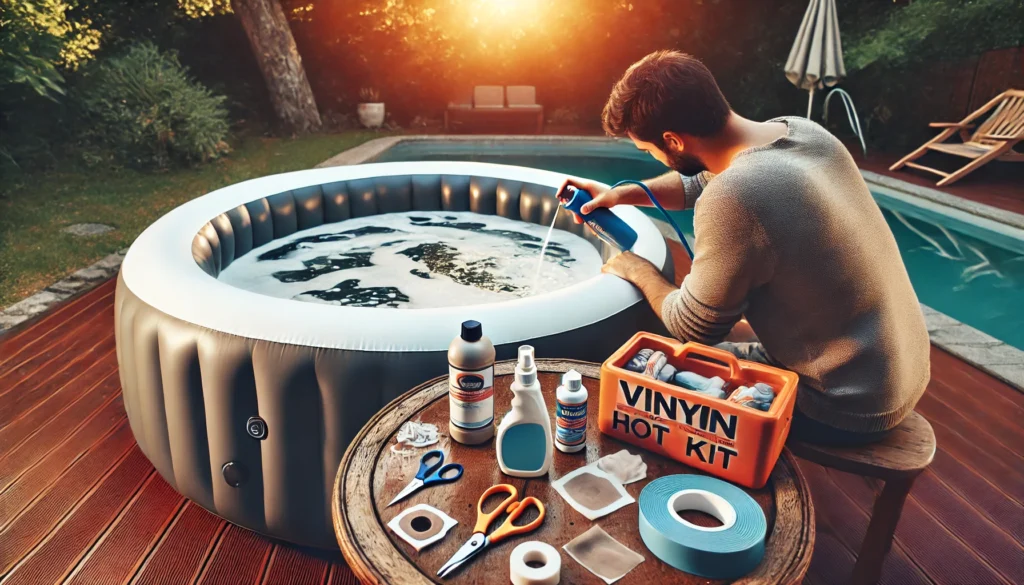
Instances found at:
x=715 y=353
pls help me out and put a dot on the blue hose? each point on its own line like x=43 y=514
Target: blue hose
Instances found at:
x=668 y=217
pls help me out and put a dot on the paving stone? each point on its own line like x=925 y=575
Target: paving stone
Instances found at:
x=936 y=320
x=962 y=335
x=9 y=321
x=998 y=355
x=1012 y=374
x=68 y=285
x=36 y=303
x=91 y=273
x=88 y=229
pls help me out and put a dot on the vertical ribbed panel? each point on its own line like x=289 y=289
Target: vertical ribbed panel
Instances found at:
x=394 y=194
x=183 y=402
x=282 y=209
x=210 y=233
x=309 y=207
x=241 y=226
x=226 y=236
x=530 y=201
x=150 y=393
x=507 y=198
x=482 y=191
x=126 y=307
x=362 y=197
x=455 y=192
x=548 y=205
x=336 y=202
x=292 y=455
x=202 y=253
x=426 y=192
x=229 y=392
x=261 y=221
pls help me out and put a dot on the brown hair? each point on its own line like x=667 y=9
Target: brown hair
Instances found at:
x=666 y=91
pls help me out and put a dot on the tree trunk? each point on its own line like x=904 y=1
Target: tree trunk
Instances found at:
x=274 y=47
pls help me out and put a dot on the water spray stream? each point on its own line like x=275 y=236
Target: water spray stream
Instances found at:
x=543 y=251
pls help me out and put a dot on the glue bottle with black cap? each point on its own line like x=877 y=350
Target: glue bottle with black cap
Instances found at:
x=471 y=386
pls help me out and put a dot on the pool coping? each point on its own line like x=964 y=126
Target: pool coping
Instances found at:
x=975 y=347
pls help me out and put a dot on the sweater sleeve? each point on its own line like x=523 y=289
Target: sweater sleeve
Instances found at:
x=731 y=258
x=694 y=186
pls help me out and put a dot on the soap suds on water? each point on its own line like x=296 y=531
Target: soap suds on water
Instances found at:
x=415 y=260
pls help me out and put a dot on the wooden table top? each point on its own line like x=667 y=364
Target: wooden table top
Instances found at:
x=371 y=474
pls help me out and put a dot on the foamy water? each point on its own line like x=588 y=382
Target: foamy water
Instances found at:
x=415 y=260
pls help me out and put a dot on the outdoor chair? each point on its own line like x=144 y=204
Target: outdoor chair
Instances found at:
x=489 y=103
x=993 y=140
x=897 y=460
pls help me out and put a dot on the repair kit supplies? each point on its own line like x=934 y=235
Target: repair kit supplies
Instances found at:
x=592 y=492
x=546 y=569
x=432 y=471
x=471 y=386
x=571 y=413
x=421 y=526
x=719 y=437
x=524 y=445
x=723 y=552
x=481 y=541
x=602 y=555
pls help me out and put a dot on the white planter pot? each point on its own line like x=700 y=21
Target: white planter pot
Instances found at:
x=371 y=115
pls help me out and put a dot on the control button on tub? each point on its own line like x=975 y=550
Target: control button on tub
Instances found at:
x=235 y=473
x=256 y=427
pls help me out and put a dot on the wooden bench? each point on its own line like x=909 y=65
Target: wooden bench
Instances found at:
x=897 y=460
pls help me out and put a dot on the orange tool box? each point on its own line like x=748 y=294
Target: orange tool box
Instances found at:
x=722 y=438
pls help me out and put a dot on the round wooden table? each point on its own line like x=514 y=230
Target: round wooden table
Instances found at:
x=371 y=474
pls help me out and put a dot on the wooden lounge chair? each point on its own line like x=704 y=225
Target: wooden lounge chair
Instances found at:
x=994 y=139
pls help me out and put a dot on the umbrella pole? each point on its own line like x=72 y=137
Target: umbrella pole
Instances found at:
x=810 y=102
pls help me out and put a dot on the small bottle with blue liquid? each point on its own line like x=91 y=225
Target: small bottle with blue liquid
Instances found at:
x=608 y=226
x=525 y=447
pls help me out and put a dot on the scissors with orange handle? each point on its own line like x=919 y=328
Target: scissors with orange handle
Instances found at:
x=480 y=540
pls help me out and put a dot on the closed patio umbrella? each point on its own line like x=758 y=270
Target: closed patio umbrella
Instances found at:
x=816 y=59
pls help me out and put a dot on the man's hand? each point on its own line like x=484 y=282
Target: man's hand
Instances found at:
x=603 y=196
x=629 y=266
x=642 y=274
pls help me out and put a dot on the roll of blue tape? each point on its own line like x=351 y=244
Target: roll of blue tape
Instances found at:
x=724 y=552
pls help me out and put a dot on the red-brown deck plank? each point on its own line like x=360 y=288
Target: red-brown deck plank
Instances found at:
x=21 y=428
x=121 y=551
x=241 y=556
x=96 y=319
x=52 y=325
x=52 y=560
x=292 y=565
x=33 y=524
x=50 y=435
x=82 y=503
x=184 y=549
x=43 y=473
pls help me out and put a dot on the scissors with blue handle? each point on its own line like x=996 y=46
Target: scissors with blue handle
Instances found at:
x=432 y=471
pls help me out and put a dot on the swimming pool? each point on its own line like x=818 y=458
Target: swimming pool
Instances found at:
x=969 y=269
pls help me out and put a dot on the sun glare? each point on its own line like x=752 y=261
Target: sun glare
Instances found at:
x=509 y=12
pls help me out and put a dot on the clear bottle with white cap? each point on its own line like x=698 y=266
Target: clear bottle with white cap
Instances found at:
x=524 y=445
x=571 y=413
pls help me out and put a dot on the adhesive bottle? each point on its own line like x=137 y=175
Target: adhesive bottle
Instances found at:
x=571 y=414
x=608 y=226
x=524 y=436
x=471 y=386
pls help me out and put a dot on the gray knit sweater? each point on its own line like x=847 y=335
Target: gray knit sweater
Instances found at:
x=790 y=237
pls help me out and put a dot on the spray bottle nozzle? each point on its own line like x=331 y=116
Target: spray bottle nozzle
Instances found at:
x=526 y=372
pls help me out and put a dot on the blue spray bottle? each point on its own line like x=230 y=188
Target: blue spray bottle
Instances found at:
x=608 y=226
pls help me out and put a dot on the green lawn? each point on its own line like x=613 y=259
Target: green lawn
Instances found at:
x=34 y=252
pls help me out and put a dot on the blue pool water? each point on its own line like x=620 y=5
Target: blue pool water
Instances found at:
x=967 y=272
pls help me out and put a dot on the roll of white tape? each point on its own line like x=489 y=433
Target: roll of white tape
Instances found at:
x=724 y=552
x=548 y=569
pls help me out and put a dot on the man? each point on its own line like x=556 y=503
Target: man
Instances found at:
x=787 y=236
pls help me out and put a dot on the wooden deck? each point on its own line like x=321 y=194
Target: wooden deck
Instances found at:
x=79 y=503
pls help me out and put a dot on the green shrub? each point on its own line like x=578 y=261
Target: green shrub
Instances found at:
x=143 y=110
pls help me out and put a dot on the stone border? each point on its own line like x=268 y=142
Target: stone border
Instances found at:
x=977 y=348
x=61 y=290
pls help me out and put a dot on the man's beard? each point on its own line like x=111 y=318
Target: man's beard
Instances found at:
x=685 y=163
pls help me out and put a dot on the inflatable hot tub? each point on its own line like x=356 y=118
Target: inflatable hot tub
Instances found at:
x=245 y=402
